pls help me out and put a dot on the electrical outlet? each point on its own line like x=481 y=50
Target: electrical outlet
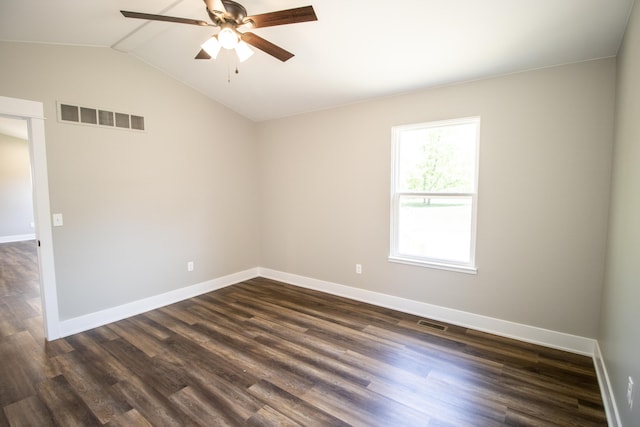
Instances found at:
x=630 y=393
x=358 y=268
x=190 y=266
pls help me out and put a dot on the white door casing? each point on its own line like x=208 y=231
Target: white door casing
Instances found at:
x=33 y=113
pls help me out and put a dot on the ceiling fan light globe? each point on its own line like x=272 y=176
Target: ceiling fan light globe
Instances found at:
x=228 y=38
x=243 y=51
x=212 y=47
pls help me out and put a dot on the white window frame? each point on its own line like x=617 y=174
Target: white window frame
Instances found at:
x=394 y=254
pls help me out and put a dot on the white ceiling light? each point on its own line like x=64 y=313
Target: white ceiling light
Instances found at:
x=212 y=47
x=243 y=51
x=228 y=38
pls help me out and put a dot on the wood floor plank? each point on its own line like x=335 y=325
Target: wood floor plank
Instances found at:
x=19 y=374
x=449 y=351
x=274 y=328
x=28 y=412
x=137 y=337
x=9 y=323
x=214 y=302
x=92 y=386
x=150 y=328
x=269 y=417
x=66 y=406
x=99 y=358
x=20 y=306
x=152 y=405
x=324 y=367
x=199 y=407
x=200 y=368
x=441 y=401
x=179 y=313
x=129 y=419
x=239 y=352
x=234 y=406
x=264 y=353
x=156 y=373
x=102 y=334
x=292 y=406
x=364 y=408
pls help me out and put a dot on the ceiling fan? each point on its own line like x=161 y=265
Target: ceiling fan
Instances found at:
x=231 y=17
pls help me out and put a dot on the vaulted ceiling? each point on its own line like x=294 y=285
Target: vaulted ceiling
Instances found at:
x=356 y=50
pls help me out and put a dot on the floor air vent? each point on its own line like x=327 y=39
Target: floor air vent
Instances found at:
x=69 y=113
x=432 y=325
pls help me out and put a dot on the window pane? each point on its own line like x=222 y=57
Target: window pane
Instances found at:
x=437 y=159
x=436 y=228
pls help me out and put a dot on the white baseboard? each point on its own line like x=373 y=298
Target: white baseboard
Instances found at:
x=608 y=398
x=17 y=238
x=532 y=334
x=103 y=317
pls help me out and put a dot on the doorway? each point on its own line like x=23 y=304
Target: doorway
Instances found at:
x=16 y=195
x=20 y=299
x=31 y=112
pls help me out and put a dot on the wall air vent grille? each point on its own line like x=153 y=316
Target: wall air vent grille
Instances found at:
x=432 y=325
x=70 y=113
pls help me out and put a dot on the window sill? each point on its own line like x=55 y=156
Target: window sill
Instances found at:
x=436 y=265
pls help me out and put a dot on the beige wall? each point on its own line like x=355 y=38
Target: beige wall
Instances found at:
x=545 y=154
x=137 y=206
x=619 y=335
x=16 y=202
x=309 y=195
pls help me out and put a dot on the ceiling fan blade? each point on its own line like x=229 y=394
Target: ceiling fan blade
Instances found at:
x=215 y=5
x=266 y=46
x=165 y=18
x=283 y=17
x=203 y=55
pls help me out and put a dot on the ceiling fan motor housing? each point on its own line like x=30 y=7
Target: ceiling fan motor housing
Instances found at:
x=236 y=11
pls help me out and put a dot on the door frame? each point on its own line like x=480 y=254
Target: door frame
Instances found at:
x=33 y=113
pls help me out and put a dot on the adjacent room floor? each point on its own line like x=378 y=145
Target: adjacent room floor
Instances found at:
x=264 y=353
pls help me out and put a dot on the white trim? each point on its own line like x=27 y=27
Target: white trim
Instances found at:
x=608 y=398
x=33 y=113
x=437 y=265
x=396 y=195
x=17 y=238
x=110 y=315
x=505 y=328
x=21 y=108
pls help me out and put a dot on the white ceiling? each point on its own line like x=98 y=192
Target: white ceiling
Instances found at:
x=357 y=50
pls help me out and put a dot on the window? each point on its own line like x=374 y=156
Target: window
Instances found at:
x=434 y=194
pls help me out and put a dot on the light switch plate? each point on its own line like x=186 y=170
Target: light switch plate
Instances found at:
x=57 y=220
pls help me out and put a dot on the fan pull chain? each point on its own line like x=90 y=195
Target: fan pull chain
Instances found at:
x=237 y=71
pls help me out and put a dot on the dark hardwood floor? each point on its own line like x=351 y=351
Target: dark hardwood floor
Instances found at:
x=262 y=353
